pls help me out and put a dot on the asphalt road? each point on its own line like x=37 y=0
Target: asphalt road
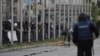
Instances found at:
x=52 y=51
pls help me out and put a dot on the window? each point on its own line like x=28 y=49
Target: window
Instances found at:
x=40 y=1
x=15 y=1
x=52 y=1
x=70 y=1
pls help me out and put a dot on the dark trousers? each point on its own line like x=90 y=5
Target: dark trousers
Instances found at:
x=67 y=37
x=85 y=48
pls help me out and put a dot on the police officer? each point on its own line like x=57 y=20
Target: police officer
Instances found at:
x=83 y=35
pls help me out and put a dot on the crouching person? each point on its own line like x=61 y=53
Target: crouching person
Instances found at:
x=67 y=37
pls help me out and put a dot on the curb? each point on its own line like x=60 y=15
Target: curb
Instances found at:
x=32 y=46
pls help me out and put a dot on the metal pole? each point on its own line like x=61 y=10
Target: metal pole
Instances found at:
x=85 y=7
x=72 y=18
x=82 y=6
x=64 y=15
x=79 y=8
x=68 y=9
x=59 y=19
x=37 y=20
x=43 y=17
x=12 y=23
x=21 y=21
x=29 y=23
x=55 y=20
x=90 y=5
x=49 y=10
x=75 y=12
x=1 y=23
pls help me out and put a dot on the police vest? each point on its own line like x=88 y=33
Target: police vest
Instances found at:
x=84 y=31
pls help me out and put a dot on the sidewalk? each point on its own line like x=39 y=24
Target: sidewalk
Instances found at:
x=52 y=51
x=32 y=46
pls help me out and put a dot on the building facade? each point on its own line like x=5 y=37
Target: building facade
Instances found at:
x=48 y=3
x=7 y=9
x=68 y=8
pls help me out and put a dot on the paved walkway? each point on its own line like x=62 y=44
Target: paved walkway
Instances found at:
x=52 y=51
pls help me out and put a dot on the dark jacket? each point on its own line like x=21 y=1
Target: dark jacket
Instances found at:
x=93 y=29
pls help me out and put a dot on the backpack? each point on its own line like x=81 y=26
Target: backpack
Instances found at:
x=84 y=31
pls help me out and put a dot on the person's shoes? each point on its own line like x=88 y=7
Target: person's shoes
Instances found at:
x=65 y=44
x=69 y=44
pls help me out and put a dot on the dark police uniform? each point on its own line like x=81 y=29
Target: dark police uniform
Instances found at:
x=83 y=36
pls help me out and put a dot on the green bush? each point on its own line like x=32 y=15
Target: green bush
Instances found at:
x=99 y=11
x=95 y=11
